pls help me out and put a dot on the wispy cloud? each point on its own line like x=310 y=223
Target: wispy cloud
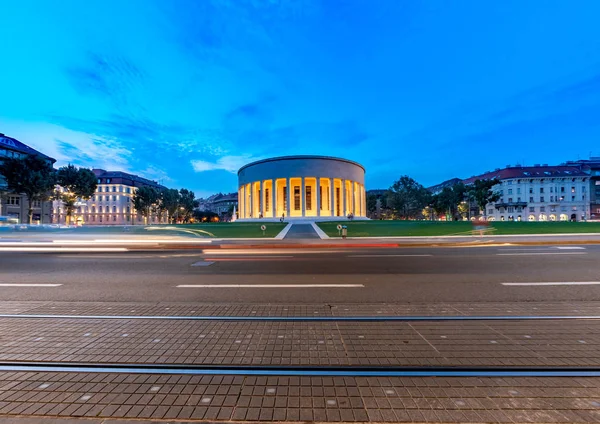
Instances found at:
x=226 y=163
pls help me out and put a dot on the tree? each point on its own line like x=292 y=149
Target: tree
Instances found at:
x=31 y=175
x=408 y=197
x=481 y=192
x=372 y=203
x=77 y=183
x=449 y=199
x=187 y=201
x=169 y=202
x=145 y=200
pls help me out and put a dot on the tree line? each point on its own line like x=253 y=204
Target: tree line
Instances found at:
x=37 y=179
x=407 y=199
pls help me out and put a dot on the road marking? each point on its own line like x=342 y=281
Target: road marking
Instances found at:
x=558 y=283
x=263 y=252
x=268 y=286
x=28 y=285
x=202 y=263
x=63 y=249
x=541 y=253
x=570 y=247
x=383 y=256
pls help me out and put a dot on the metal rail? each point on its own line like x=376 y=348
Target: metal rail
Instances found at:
x=313 y=318
x=349 y=371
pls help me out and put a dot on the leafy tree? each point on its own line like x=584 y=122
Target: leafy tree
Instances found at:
x=77 y=183
x=145 y=200
x=31 y=175
x=372 y=203
x=408 y=197
x=187 y=201
x=449 y=200
x=205 y=216
x=481 y=192
x=168 y=202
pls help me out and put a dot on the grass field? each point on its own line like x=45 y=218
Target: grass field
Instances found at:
x=436 y=228
x=212 y=230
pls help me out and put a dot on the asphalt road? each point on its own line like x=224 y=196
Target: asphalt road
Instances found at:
x=362 y=275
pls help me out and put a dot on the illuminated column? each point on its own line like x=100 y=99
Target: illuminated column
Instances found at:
x=343 y=190
x=272 y=198
x=331 y=196
x=240 y=197
x=261 y=205
x=364 y=201
x=289 y=197
x=251 y=202
x=303 y=196
x=318 y=196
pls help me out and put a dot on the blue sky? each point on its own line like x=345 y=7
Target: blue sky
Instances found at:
x=187 y=91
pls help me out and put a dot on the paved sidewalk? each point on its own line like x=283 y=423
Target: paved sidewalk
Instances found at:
x=116 y=398
x=465 y=400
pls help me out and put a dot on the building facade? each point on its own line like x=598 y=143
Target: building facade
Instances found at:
x=539 y=193
x=112 y=204
x=16 y=205
x=221 y=204
x=314 y=187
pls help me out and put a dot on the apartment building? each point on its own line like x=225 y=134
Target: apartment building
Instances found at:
x=539 y=193
x=112 y=204
x=16 y=205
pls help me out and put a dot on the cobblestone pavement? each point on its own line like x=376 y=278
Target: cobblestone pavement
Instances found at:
x=233 y=309
x=472 y=343
x=109 y=397
x=470 y=400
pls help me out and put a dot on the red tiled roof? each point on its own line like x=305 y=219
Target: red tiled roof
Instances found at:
x=529 y=172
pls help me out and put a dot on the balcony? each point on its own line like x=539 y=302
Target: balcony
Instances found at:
x=510 y=204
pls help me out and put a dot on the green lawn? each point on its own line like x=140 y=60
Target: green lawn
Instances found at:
x=428 y=228
x=212 y=230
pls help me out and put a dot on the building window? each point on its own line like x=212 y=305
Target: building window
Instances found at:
x=542 y=209
x=510 y=191
x=93 y=209
x=114 y=189
x=572 y=198
x=267 y=200
x=285 y=202
x=530 y=190
x=583 y=189
x=509 y=183
x=511 y=209
x=510 y=200
x=541 y=189
x=518 y=199
x=107 y=181
x=308 y=196
x=574 y=208
x=127 y=190
x=99 y=189
x=583 y=197
x=562 y=189
x=552 y=198
x=128 y=210
x=100 y=218
x=114 y=209
x=114 y=217
x=490 y=211
x=572 y=189
x=93 y=218
x=14 y=200
x=531 y=199
x=541 y=198
x=532 y=209
x=114 y=198
x=518 y=190
x=296 y=198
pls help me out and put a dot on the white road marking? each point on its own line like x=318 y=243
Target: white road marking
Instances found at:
x=267 y=286
x=557 y=283
x=570 y=247
x=28 y=285
x=383 y=256
x=540 y=253
x=63 y=249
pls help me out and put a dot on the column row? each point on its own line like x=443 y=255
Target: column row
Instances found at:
x=302 y=197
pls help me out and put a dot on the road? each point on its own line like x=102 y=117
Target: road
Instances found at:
x=477 y=274
x=287 y=334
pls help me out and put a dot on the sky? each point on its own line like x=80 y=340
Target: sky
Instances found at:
x=185 y=92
